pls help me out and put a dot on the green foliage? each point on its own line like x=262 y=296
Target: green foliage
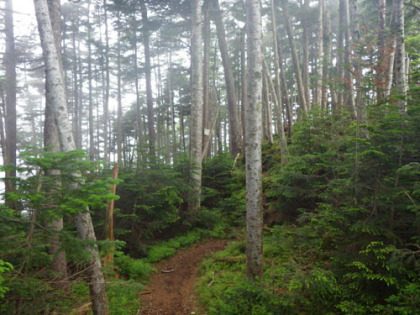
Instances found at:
x=46 y=190
x=132 y=268
x=123 y=296
x=4 y=267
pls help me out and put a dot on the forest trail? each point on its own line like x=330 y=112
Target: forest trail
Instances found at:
x=172 y=287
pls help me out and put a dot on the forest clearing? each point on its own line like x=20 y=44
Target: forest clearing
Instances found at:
x=211 y=157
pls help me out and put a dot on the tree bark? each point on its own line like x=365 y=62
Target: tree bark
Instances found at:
x=148 y=74
x=10 y=115
x=400 y=73
x=206 y=77
x=51 y=143
x=56 y=94
x=296 y=64
x=107 y=86
x=234 y=131
x=253 y=138
x=196 y=120
x=320 y=54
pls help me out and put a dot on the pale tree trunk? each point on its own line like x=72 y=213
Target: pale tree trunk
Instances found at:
x=390 y=58
x=107 y=86
x=253 y=138
x=348 y=95
x=340 y=55
x=320 y=54
x=196 y=120
x=139 y=125
x=76 y=99
x=243 y=85
x=148 y=72
x=400 y=73
x=382 y=60
x=358 y=75
x=266 y=108
x=90 y=95
x=295 y=59
x=10 y=114
x=234 y=132
x=56 y=94
x=206 y=77
x=280 y=125
x=119 y=104
x=277 y=91
x=327 y=36
x=51 y=143
x=305 y=56
x=285 y=90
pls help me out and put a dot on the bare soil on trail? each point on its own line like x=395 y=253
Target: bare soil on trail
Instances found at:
x=172 y=287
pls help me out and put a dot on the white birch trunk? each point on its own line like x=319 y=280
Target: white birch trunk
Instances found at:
x=196 y=104
x=253 y=138
x=56 y=94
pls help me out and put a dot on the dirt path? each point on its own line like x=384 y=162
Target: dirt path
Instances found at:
x=172 y=292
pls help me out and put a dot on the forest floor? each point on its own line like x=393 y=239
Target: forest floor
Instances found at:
x=171 y=289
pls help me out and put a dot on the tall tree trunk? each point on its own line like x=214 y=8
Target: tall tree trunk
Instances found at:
x=107 y=85
x=390 y=58
x=277 y=91
x=244 y=93
x=76 y=100
x=253 y=138
x=196 y=120
x=57 y=98
x=305 y=55
x=266 y=108
x=206 y=77
x=327 y=39
x=280 y=125
x=10 y=115
x=234 y=132
x=349 y=90
x=51 y=143
x=320 y=54
x=119 y=103
x=285 y=90
x=90 y=95
x=381 y=66
x=296 y=64
x=400 y=73
x=148 y=72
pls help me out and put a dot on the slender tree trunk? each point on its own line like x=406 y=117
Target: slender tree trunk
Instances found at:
x=320 y=55
x=349 y=90
x=327 y=35
x=90 y=97
x=400 y=73
x=206 y=76
x=253 y=138
x=296 y=64
x=244 y=93
x=280 y=125
x=381 y=66
x=107 y=86
x=266 y=114
x=196 y=120
x=148 y=72
x=76 y=103
x=10 y=115
x=305 y=56
x=391 y=44
x=286 y=98
x=57 y=97
x=119 y=104
x=234 y=132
